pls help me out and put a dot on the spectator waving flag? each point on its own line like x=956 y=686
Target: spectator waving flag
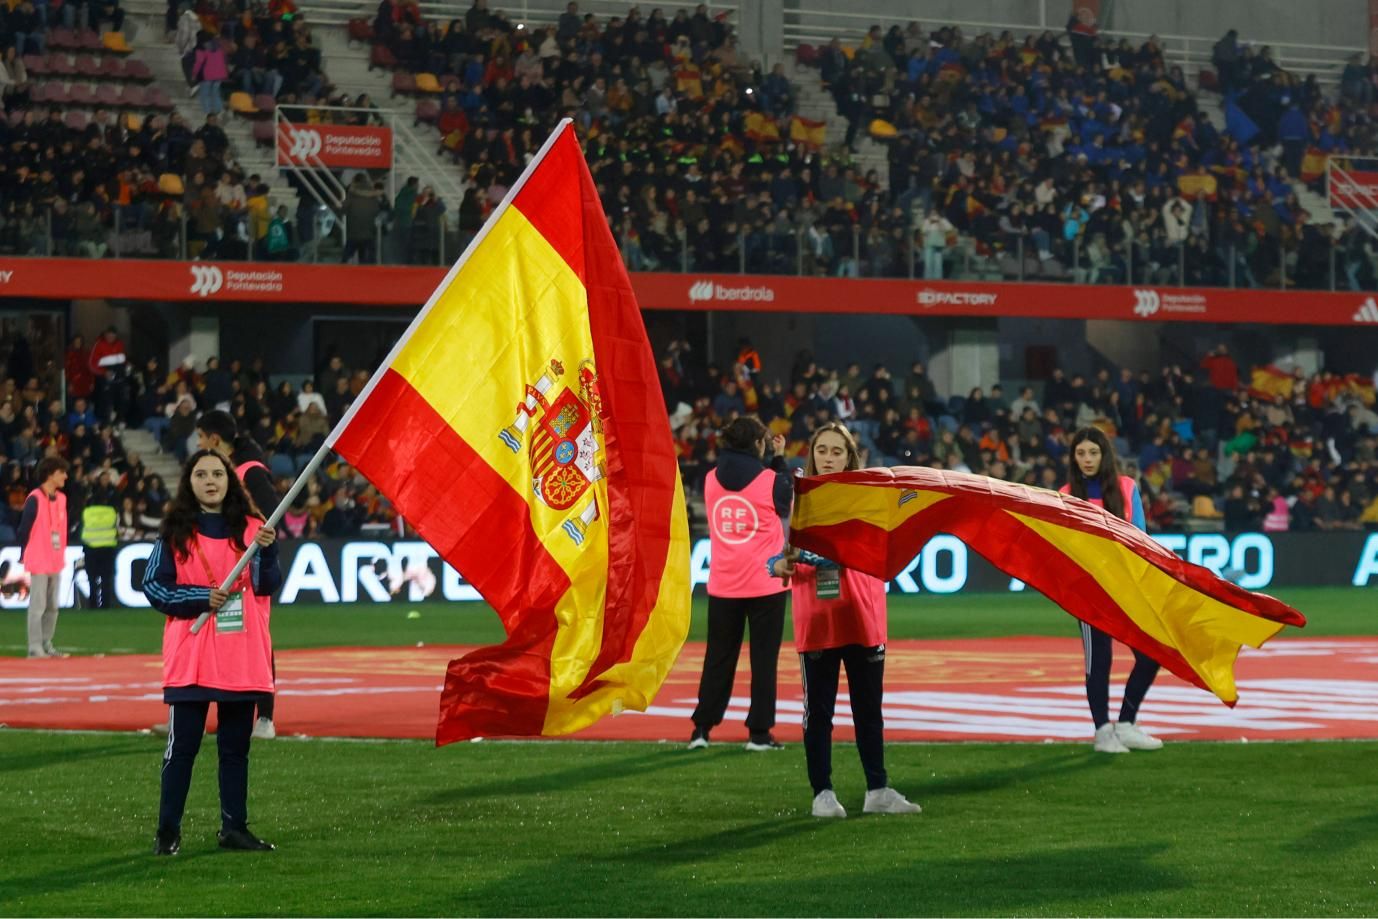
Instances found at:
x=518 y=426
x=1099 y=568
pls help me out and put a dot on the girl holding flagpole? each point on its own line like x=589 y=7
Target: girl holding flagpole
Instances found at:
x=206 y=530
x=1093 y=474
x=839 y=621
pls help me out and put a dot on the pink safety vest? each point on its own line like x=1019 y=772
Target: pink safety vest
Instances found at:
x=855 y=617
x=40 y=555
x=1279 y=517
x=245 y=467
x=744 y=532
x=234 y=661
x=1126 y=489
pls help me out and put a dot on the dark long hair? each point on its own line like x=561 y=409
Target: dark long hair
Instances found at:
x=1108 y=476
x=180 y=523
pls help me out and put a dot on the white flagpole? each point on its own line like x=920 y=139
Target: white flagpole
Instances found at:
x=343 y=423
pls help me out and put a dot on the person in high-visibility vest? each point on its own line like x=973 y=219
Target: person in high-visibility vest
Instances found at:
x=99 y=521
x=217 y=430
x=43 y=534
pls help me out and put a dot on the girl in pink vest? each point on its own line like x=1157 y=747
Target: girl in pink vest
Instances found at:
x=746 y=501
x=1094 y=475
x=43 y=534
x=229 y=660
x=839 y=621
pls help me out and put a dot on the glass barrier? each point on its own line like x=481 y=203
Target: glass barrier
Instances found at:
x=1316 y=259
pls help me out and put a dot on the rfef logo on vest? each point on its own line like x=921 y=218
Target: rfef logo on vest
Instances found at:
x=206 y=280
x=734 y=519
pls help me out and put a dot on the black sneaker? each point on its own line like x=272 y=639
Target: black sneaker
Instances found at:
x=167 y=842
x=699 y=739
x=243 y=839
x=763 y=740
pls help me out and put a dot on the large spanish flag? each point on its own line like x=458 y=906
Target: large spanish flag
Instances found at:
x=1099 y=568
x=518 y=426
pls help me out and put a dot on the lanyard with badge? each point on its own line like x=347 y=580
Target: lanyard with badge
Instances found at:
x=230 y=617
x=827 y=584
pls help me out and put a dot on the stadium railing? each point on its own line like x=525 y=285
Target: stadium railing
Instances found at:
x=531 y=12
x=1336 y=266
x=803 y=26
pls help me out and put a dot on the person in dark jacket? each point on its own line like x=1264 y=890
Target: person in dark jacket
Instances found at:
x=747 y=501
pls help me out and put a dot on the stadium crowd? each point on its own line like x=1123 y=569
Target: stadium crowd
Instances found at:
x=1212 y=447
x=1058 y=156
x=286 y=421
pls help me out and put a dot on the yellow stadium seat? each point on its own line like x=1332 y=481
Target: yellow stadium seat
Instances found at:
x=882 y=128
x=243 y=104
x=1202 y=506
x=170 y=183
x=114 y=42
x=427 y=83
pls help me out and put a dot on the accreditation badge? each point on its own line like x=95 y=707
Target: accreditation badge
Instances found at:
x=828 y=583
x=230 y=616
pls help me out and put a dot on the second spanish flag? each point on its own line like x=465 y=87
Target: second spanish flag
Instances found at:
x=1094 y=565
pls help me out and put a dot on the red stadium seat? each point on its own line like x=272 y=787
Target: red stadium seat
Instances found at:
x=36 y=65
x=82 y=94
x=427 y=111
x=88 y=65
x=134 y=97
x=403 y=83
x=108 y=95
x=62 y=39
x=112 y=68
x=75 y=120
x=265 y=103
x=90 y=40
x=159 y=99
x=264 y=133
x=381 y=58
x=360 y=30
x=60 y=64
x=57 y=94
x=137 y=70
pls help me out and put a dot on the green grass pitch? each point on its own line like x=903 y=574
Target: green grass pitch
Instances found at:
x=561 y=828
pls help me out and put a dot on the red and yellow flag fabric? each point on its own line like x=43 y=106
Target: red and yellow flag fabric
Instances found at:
x=519 y=427
x=808 y=132
x=1099 y=568
x=1270 y=382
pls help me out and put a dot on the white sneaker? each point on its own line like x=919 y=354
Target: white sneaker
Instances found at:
x=1107 y=741
x=1135 y=738
x=264 y=730
x=162 y=729
x=825 y=804
x=888 y=801
x=49 y=650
